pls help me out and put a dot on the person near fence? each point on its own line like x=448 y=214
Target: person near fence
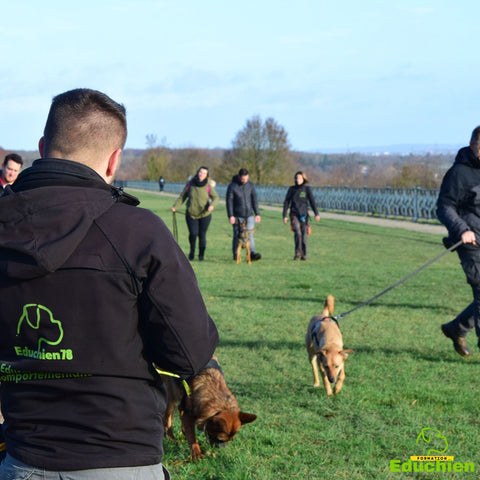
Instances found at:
x=242 y=204
x=458 y=208
x=297 y=199
x=201 y=197
x=161 y=183
x=93 y=292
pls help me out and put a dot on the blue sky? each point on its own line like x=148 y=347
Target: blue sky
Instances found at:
x=334 y=74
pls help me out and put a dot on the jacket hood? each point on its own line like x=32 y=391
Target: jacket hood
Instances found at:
x=465 y=156
x=47 y=213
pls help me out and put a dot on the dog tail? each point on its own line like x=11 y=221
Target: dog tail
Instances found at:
x=329 y=305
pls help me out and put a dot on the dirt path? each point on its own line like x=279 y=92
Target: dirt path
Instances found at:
x=383 y=222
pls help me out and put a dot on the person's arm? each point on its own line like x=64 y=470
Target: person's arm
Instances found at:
x=448 y=203
x=180 y=337
x=286 y=205
x=255 y=201
x=312 y=202
x=214 y=198
x=181 y=198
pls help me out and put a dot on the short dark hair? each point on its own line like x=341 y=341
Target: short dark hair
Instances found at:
x=15 y=157
x=242 y=172
x=83 y=117
x=475 y=135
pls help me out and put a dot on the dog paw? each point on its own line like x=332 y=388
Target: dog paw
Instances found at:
x=196 y=452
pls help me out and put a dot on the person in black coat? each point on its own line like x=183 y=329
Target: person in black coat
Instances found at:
x=297 y=199
x=95 y=294
x=242 y=204
x=458 y=208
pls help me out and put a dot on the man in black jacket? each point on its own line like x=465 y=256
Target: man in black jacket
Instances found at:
x=458 y=208
x=93 y=292
x=242 y=204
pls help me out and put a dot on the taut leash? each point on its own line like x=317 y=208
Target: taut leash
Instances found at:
x=175 y=228
x=418 y=270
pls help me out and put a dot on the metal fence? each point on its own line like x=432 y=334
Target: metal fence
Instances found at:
x=415 y=204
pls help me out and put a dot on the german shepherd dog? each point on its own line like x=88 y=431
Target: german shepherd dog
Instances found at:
x=210 y=406
x=325 y=349
x=243 y=241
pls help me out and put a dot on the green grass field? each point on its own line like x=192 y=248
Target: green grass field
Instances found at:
x=403 y=377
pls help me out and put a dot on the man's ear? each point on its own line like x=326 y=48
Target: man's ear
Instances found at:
x=41 y=146
x=113 y=164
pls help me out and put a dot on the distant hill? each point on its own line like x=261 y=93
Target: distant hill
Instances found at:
x=400 y=149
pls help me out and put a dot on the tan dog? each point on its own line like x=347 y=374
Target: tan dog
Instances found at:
x=243 y=241
x=211 y=407
x=325 y=348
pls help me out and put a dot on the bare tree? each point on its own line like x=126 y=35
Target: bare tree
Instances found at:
x=263 y=148
x=156 y=157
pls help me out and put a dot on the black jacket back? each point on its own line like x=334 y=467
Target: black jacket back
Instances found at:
x=92 y=291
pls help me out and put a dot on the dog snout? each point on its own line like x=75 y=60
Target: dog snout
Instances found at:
x=215 y=442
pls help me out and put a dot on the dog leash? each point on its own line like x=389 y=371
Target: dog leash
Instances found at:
x=418 y=270
x=185 y=384
x=175 y=228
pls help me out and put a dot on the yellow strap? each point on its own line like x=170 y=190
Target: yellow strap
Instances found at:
x=186 y=386
x=2 y=446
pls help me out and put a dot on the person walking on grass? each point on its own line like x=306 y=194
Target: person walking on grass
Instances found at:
x=458 y=208
x=93 y=292
x=242 y=204
x=297 y=199
x=201 y=199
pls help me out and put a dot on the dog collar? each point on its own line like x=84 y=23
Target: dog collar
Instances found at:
x=185 y=384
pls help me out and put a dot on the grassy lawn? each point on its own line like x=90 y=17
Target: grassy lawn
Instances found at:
x=404 y=375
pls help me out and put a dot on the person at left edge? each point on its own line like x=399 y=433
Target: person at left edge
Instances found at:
x=12 y=165
x=93 y=291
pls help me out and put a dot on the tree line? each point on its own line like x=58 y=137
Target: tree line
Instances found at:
x=262 y=146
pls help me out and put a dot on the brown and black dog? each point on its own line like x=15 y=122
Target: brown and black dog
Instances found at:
x=243 y=241
x=325 y=349
x=210 y=406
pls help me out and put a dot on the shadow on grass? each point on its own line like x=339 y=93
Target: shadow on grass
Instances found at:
x=441 y=356
x=350 y=305
x=446 y=354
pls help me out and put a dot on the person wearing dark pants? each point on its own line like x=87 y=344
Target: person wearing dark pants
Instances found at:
x=297 y=199
x=201 y=197
x=458 y=208
x=197 y=228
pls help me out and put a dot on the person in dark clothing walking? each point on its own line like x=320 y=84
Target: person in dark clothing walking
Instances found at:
x=161 y=183
x=242 y=204
x=201 y=200
x=297 y=199
x=95 y=294
x=458 y=208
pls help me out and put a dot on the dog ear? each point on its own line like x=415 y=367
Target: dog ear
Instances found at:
x=246 y=417
x=346 y=352
x=321 y=353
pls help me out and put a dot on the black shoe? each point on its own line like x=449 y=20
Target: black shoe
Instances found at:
x=297 y=257
x=201 y=258
x=191 y=256
x=234 y=257
x=459 y=343
x=255 y=256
